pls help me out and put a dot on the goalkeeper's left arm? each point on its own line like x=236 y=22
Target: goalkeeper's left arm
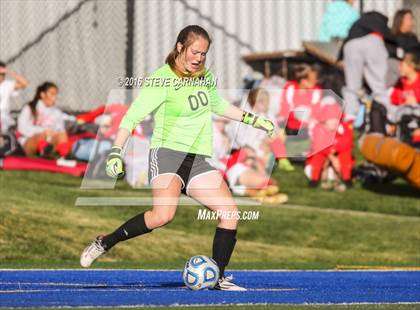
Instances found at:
x=249 y=118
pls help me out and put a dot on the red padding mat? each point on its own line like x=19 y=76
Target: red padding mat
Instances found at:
x=41 y=164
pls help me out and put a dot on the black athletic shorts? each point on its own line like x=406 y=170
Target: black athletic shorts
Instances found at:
x=186 y=166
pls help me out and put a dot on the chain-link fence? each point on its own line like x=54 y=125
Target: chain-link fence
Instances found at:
x=78 y=44
x=85 y=46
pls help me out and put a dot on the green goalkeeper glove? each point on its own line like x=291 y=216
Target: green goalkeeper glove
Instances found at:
x=258 y=122
x=114 y=163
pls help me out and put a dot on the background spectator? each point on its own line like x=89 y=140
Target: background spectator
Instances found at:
x=337 y=20
x=402 y=28
x=407 y=89
x=300 y=99
x=264 y=147
x=406 y=95
x=366 y=57
x=331 y=146
x=41 y=124
x=8 y=88
x=243 y=170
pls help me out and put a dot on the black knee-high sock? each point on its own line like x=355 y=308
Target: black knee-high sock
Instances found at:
x=223 y=245
x=132 y=228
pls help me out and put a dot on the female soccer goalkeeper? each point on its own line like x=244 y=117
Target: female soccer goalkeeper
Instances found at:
x=182 y=139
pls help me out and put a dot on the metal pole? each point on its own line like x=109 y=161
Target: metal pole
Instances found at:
x=361 y=6
x=129 y=52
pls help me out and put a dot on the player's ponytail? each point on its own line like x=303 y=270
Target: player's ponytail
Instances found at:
x=186 y=37
x=44 y=87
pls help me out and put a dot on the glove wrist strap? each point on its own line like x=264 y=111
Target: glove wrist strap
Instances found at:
x=116 y=150
x=249 y=118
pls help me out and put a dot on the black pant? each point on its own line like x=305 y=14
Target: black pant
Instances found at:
x=377 y=118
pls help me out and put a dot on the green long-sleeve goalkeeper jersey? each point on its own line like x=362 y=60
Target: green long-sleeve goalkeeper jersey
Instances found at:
x=182 y=110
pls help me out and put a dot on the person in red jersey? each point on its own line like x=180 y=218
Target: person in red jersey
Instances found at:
x=331 y=146
x=300 y=100
x=406 y=93
x=407 y=89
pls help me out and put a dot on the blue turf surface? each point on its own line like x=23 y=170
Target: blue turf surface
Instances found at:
x=54 y=288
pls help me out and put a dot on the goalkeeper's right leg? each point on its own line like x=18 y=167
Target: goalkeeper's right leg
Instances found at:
x=92 y=252
x=134 y=227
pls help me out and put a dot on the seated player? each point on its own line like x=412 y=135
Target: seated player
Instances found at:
x=300 y=100
x=243 y=171
x=8 y=89
x=331 y=146
x=264 y=147
x=41 y=124
x=407 y=90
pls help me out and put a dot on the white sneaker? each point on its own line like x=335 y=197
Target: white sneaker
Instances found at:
x=92 y=252
x=225 y=284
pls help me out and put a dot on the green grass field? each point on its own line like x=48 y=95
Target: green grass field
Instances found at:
x=41 y=227
x=317 y=229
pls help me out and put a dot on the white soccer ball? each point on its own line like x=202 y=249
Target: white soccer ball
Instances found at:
x=200 y=272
